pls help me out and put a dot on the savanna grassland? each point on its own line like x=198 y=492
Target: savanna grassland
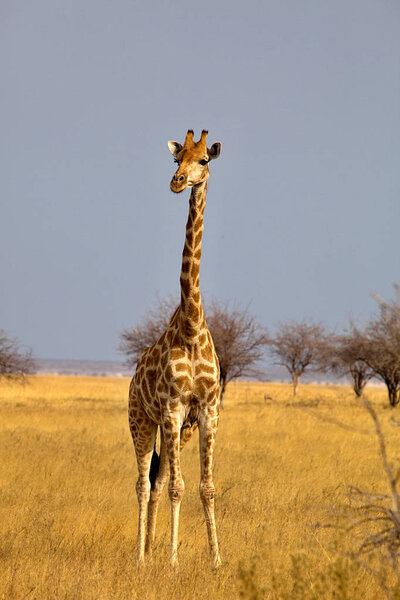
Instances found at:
x=68 y=510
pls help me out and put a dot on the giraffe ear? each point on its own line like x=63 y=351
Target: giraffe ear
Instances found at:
x=174 y=148
x=214 y=151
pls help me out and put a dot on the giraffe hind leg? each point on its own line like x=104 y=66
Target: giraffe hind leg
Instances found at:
x=143 y=432
x=157 y=479
x=186 y=434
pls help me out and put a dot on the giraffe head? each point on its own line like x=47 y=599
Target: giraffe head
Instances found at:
x=192 y=158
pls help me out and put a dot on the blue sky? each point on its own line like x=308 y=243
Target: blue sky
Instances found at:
x=303 y=208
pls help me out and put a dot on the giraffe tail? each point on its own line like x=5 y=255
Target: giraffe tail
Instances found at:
x=154 y=466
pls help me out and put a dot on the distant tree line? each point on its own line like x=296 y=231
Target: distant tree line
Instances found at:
x=243 y=345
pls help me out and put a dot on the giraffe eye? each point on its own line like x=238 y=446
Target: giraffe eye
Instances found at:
x=176 y=160
x=204 y=161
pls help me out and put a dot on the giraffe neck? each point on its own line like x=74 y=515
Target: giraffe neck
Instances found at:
x=192 y=316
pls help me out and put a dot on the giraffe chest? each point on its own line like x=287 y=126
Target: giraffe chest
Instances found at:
x=175 y=377
x=189 y=374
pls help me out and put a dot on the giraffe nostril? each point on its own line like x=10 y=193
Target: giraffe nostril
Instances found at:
x=179 y=177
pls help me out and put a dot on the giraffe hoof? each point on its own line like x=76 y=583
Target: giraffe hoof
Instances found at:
x=174 y=562
x=216 y=562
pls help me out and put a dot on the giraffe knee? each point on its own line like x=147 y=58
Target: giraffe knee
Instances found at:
x=175 y=491
x=207 y=491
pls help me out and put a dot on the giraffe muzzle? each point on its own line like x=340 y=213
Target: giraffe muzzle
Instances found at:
x=179 y=183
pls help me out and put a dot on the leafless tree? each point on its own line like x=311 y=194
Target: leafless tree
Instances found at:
x=298 y=346
x=344 y=357
x=239 y=339
x=392 y=307
x=15 y=362
x=382 y=353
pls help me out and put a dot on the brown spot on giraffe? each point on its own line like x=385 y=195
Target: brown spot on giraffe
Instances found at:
x=202 y=339
x=174 y=387
x=207 y=353
x=193 y=311
x=189 y=236
x=176 y=354
x=197 y=239
x=204 y=369
x=194 y=271
x=185 y=288
x=198 y=225
x=186 y=266
x=181 y=367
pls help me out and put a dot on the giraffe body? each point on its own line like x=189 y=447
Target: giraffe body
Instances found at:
x=176 y=384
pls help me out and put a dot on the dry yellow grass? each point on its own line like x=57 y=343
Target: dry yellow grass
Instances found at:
x=69 y=513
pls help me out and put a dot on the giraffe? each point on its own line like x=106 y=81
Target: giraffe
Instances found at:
x=176 y=384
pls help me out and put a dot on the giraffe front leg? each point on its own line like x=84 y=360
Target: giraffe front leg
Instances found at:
x=208 y=424
x=171 y=432
x=143 y=496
